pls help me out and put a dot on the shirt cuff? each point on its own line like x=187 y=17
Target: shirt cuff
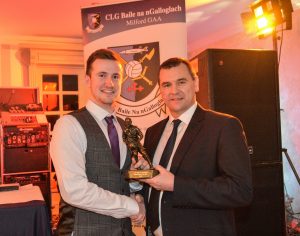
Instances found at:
x=133 y=206
x=135 y=186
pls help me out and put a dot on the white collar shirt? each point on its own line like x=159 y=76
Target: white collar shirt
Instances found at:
x=185 y=120
x=67 y=150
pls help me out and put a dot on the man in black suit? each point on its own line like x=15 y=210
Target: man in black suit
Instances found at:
x=207 y=171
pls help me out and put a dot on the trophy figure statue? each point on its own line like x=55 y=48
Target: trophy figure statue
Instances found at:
x=132 y=136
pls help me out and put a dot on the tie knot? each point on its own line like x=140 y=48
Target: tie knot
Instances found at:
x=176 y=123
x=109 y=120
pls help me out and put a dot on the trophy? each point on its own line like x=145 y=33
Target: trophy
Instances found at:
x=132 y=136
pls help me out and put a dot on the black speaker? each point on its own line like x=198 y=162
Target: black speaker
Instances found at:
x=25 y=148
x=25 y=159
x=266 y=215
x=244 y=83
x=25 y=156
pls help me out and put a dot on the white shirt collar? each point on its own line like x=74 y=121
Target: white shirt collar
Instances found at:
x=98 y=111
x=186 y=116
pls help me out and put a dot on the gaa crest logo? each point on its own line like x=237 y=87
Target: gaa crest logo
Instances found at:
x=140 y=92
x=94 y=23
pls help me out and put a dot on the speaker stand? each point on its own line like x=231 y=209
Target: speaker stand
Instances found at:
x=284 y=150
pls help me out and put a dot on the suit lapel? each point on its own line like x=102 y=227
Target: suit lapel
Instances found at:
x=192 y=130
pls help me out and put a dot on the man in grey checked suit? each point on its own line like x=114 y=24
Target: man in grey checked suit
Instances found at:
x=95 y=196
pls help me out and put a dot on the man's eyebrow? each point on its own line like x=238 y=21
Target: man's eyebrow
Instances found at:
x=101 y=72
x=166 y=82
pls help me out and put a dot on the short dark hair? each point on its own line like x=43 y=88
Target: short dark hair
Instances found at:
x=176 y=61
x=101 y=54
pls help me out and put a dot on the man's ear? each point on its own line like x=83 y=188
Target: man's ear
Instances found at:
x=87 y=80
x=196 y=83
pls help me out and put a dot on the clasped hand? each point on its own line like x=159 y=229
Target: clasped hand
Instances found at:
x=139 y=218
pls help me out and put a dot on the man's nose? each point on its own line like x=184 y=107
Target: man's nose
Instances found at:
x=174 y=88
x=109 y=81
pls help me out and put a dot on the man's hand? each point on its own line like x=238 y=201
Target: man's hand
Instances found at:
x=164 y=181
x=138 y=219
x=141 y=164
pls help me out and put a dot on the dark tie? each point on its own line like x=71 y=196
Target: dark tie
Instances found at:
x=113 y=138
x=152 y=215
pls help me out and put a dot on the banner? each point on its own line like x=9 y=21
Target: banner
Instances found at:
x=144 y=33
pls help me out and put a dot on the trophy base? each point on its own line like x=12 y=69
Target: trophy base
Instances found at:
x=141 y=174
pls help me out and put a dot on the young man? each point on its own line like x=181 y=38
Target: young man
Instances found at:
x=205 y=173
x=89 y=157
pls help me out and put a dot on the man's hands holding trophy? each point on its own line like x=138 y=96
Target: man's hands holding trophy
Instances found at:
x=142 y=168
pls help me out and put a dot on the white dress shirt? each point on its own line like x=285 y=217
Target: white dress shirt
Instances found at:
x=185 y=120
x=67 y=150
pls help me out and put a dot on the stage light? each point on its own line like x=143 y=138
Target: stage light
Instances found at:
x=268 y=15
x=265 y=16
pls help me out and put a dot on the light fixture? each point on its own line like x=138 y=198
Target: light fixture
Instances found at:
x=268 y=15
x=265 y=15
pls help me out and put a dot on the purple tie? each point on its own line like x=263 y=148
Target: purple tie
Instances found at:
x=113 y=138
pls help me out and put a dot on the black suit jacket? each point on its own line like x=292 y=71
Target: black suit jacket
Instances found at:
x=212 y=175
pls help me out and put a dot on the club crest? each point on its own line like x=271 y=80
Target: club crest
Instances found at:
x=94 y=23
x=140 y=80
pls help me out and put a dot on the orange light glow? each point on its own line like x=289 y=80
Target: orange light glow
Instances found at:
x=49 y=86
x=262 y=22
x=265 y=19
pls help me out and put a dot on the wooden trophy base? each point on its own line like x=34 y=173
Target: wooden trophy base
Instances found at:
x=141 y=174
